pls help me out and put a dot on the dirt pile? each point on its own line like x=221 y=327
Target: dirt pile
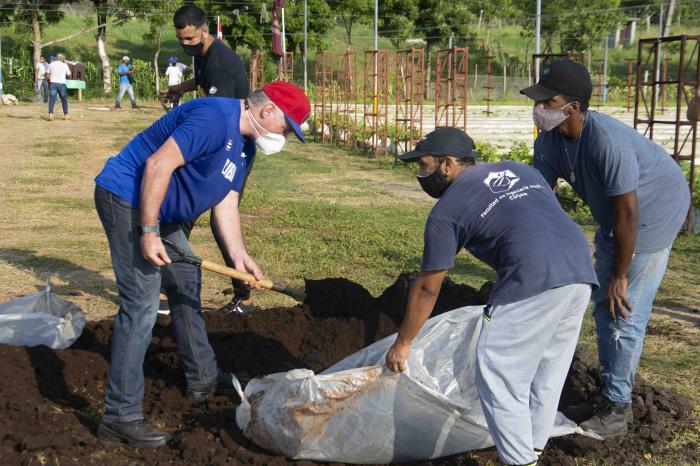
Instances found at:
x=50 y=401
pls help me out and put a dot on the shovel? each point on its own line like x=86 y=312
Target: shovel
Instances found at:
x=298 y=294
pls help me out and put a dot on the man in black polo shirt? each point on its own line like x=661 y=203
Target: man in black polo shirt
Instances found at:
x=218 y=72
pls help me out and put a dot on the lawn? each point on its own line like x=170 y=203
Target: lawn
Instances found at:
x=313 y=211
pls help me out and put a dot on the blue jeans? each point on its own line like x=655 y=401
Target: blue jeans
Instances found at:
x=139 y=283
x=61 y=90
x=620 y=344
x=42 y=84
x=129 y=90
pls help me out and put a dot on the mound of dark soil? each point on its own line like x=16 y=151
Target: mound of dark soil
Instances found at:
x=50 y=401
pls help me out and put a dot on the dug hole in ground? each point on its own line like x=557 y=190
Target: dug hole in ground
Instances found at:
x=51 y=401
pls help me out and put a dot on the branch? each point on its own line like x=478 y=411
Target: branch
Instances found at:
x=63 y=39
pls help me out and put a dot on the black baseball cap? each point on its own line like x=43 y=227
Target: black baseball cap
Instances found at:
x=443 y=142
x=564 y=77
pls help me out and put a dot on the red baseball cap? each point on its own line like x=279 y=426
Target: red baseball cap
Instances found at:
x=292 y=101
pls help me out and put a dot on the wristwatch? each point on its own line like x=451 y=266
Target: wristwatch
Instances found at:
x=143 y=229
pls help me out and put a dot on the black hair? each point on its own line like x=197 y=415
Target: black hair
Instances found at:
x=583 y=101
x=189 y=15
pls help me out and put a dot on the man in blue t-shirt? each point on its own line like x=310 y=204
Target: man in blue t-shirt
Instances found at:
x=506 y=216
x=193 y=159
x=126 y=77
x=639 y=196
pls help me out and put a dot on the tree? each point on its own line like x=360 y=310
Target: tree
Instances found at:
x=351 y=12
x=159 y=14
x=320 y=23
x=396 y=20
x=36 y=14
x=577 y=24
x=438 y=20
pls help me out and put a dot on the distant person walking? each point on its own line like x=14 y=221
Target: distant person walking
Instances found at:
x=40 y=82
x=58 y=72
x=126 y=78
x=174 y=74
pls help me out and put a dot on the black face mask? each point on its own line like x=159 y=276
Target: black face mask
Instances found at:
x=194 y=50
x=434 y=184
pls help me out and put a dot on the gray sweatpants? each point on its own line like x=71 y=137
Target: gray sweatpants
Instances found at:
x=523 y=355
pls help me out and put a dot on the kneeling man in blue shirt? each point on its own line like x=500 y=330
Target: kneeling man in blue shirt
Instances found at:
x=193 y=159
x=506 y=215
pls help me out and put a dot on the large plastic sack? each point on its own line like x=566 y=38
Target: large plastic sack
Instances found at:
x=40 y=319
x=358 y=411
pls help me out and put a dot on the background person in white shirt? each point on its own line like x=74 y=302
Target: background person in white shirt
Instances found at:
x=58 y=72
x=40 y=82
x=174 y=74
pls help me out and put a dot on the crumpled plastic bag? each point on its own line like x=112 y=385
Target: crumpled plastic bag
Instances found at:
x=40 y=319
x=358 y=411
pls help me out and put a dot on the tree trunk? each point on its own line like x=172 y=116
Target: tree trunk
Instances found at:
x=36 y=41
x=101 y=38
x=155 y=59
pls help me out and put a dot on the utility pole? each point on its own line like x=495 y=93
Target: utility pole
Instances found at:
x=538 y=25
x=376 y=24
x=306 y=25
x=605 y=71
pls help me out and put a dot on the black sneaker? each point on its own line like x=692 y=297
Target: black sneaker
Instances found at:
x=137 y=433
x=609 y=421
x=118 y=106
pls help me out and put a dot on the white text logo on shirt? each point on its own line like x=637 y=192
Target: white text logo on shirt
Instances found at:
x=499 y=182
x=229 y=144
x=229 y=170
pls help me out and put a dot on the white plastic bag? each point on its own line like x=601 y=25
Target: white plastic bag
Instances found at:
x=40 y=319
x=358 y=411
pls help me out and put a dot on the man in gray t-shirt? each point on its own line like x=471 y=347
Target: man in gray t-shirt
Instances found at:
x=639 y=196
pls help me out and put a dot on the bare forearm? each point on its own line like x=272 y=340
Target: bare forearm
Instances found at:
x=625 y=232
x=226 y=222
x=421 y=301
x=153 y=188
x=156 y=178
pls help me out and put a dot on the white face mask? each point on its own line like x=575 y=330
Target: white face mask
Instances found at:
x=547 y=120
x=268 y=143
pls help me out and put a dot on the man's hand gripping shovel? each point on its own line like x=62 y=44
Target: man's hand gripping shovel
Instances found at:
x=182 y=256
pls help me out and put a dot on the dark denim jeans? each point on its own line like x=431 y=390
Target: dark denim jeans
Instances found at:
x=139 y=285
x=62 y=91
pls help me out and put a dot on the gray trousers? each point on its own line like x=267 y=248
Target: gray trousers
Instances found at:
x=523 y=355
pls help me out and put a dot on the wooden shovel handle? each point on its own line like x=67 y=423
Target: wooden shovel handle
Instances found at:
x=233 y=273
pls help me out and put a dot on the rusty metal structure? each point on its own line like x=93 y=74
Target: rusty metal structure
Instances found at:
x=376 y=96
x=285 y=68
x=323 y=95
x=599 y=84
x=664 y=78
x=489 y=83
x=256 y=77
x=686 y=80
x=546 y=58
x=451 y=86
x=346 y=97
x=630 y=82
x=410 y=82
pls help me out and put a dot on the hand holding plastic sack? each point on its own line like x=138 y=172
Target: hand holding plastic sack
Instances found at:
x=359 y=411
x=40 y=319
